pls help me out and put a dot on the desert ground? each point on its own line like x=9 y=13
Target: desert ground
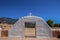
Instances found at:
x=18 y=38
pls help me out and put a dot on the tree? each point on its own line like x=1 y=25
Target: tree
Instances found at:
x=50 y=23
x=57 y=25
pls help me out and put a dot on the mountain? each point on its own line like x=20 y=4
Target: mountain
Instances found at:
x=7 y=20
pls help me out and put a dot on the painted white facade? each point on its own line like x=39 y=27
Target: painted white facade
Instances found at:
x=42 y=28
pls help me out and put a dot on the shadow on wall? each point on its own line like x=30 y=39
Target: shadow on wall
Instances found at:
x=58 y=35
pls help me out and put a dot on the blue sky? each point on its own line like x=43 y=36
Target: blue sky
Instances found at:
x=47 y=9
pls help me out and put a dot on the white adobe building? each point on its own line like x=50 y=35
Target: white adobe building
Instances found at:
x=30 y=26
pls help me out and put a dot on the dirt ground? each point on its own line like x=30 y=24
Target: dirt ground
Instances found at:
x=17 y=38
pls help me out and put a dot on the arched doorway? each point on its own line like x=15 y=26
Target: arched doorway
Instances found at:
x=30 y=29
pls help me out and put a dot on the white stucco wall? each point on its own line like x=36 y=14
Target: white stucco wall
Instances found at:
x=42 y=28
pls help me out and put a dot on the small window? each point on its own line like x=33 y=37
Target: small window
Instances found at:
x=30 y=24
x=4 y=26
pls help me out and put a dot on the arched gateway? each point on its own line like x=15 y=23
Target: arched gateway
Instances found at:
x=30 y=26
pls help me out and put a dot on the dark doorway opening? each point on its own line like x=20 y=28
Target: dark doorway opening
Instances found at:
x=4 y=33
x=58 y=35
